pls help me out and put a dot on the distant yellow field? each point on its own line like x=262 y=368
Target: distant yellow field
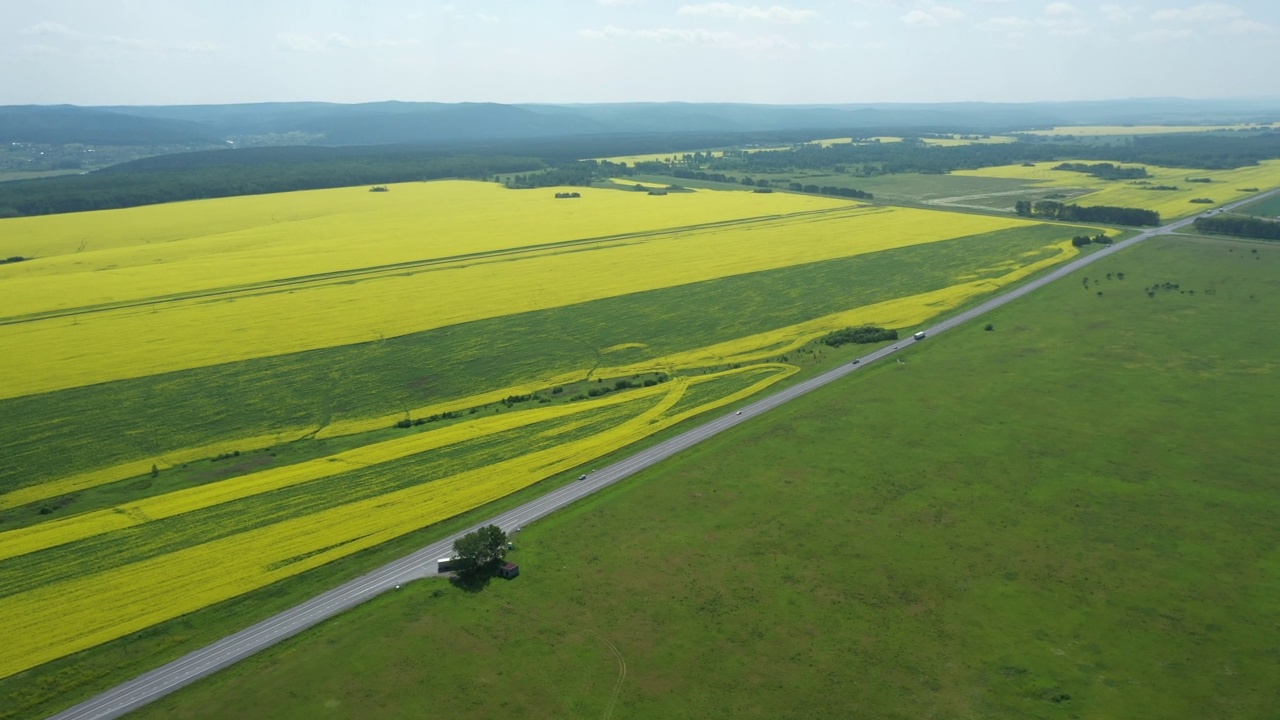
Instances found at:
x=953 y=142
x=1099 y=130
x=947 y=142
x=72 y=351
x=1226 y=186
x=669 y=157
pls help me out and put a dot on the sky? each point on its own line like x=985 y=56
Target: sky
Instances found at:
x=153 y=52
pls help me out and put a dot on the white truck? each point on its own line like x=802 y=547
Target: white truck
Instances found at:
x=919 y=335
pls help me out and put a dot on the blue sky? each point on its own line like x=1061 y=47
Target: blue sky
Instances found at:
x=820 y=51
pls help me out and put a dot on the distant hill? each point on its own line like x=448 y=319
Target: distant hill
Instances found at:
x=439 y=123
x=66 y=124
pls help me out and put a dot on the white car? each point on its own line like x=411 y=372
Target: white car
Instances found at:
x=738 y=413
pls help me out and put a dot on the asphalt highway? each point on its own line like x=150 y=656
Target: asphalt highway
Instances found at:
x=422 y=563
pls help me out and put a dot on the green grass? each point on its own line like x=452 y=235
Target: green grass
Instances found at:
x=1269 y=208
x=56 y=434
x=1070 y=516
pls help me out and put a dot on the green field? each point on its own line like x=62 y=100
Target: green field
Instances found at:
x=1269 y=208
x=1070 y=516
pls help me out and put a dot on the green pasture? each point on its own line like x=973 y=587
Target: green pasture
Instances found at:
x=1071 y=515
x=1268 y=208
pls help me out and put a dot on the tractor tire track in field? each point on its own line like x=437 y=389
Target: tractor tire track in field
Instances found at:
x=355 y=274
x=613 y=649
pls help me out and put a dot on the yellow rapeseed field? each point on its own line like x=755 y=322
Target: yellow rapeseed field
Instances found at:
x=87 y=259
x=897 y=313
x=86 y=525
x=65 y=352
x=53 y=621
x=1226 y=185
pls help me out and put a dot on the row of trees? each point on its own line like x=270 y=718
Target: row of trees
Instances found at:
x=831 y=190
x=1106 y=171
x=1054 y=210
x=859 y=335
x=1239 y=226
x=1099 y=239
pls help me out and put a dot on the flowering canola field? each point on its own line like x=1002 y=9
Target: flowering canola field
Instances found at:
x=187 y=333
x=145 y=294
x=1225 y=186
x=77 y=613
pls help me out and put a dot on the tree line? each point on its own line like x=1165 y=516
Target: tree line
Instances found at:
x=1053 y=210
x=251 y=171
x=1240 y=226
x=1203 y=151
x=863 y=335
x=1105 y=171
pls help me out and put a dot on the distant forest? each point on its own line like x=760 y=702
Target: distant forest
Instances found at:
x=252 y=171
x=558 y=161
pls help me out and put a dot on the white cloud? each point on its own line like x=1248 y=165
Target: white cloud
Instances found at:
x=1161 y=35
x=1214 y=18
x=1116 y=14
x=45 y=27
x=774 y=14
x=1205 y=12
x=86 y=40
x=1243 y=27
x=1060 y=20
x=1006 y=24
x=616 y=3
x=292 y=42
x=688 y=36
x=931 y=15
x=919 y=17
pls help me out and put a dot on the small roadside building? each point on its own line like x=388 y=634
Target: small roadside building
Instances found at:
x=508 y=571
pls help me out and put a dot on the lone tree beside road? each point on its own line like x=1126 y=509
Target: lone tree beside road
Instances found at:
x=480 y=551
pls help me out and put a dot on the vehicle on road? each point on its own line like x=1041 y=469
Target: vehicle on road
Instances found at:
x=855 y=361
x=582 y=477
x=919 y=335
x=738 y=413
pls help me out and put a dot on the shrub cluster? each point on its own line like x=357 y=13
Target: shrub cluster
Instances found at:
x=859 y=336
